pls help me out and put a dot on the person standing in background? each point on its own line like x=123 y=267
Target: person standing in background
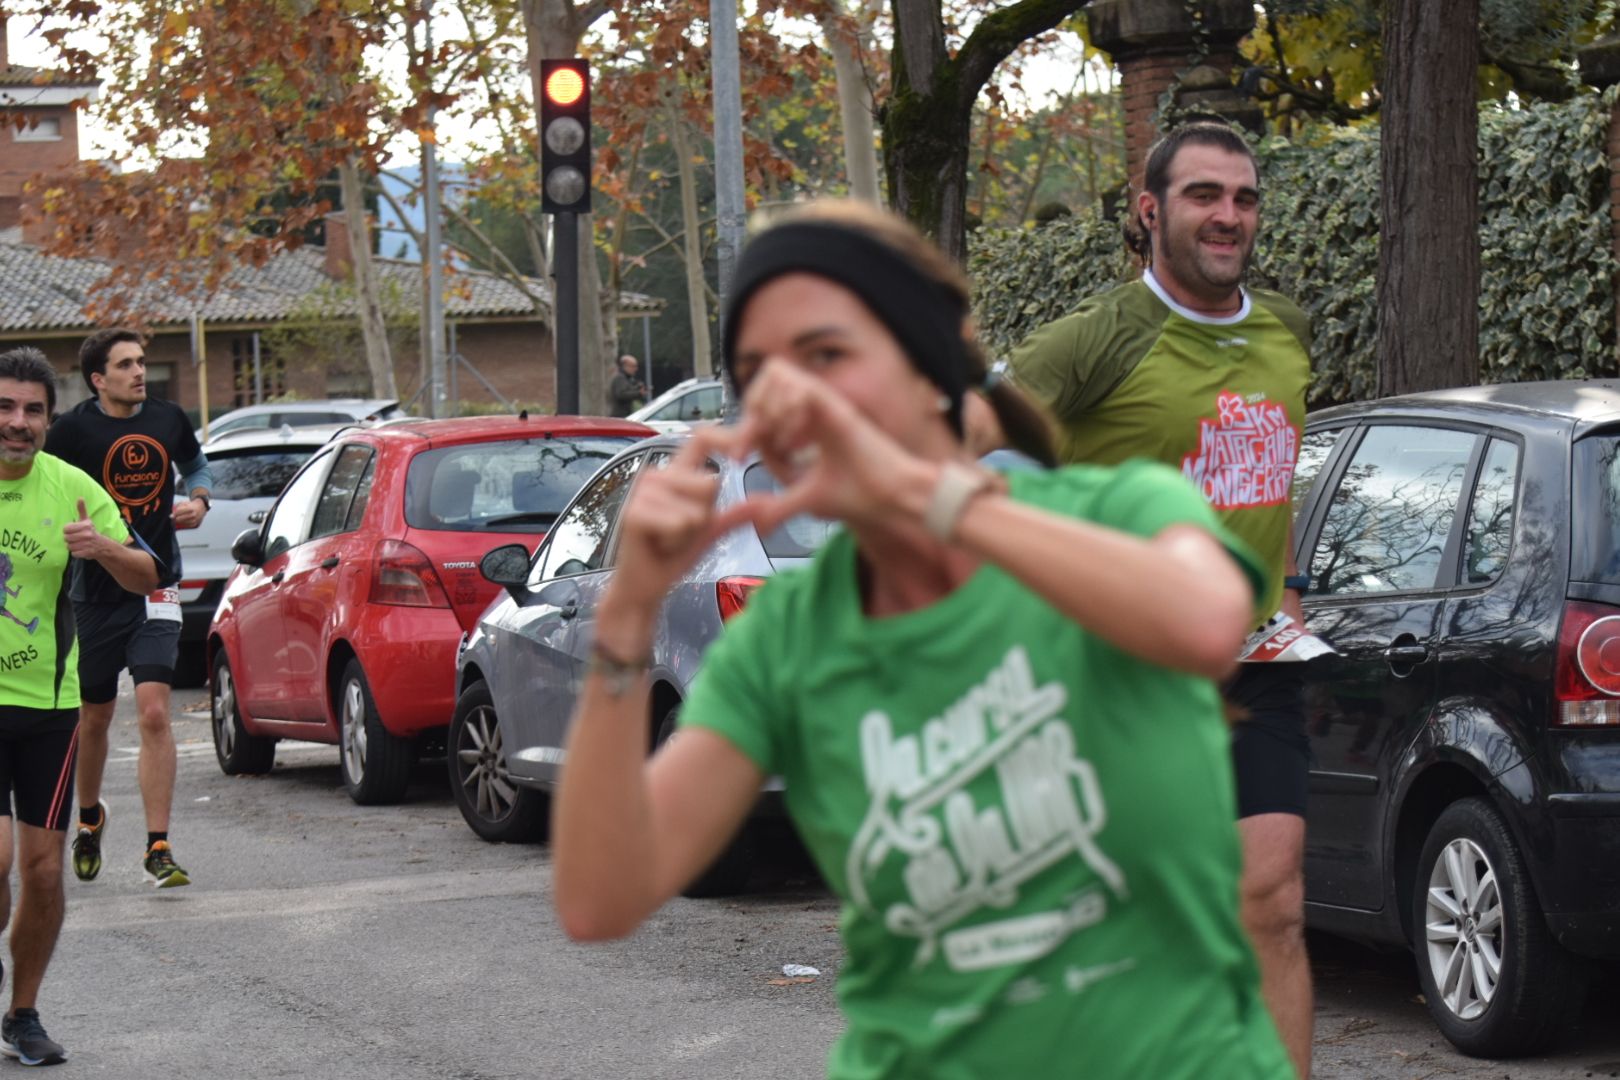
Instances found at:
x=627 y=392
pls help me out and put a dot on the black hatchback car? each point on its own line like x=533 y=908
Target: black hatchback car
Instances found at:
x=1465 y=789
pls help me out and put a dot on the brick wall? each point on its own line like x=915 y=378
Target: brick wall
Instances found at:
x=1143 y=81
x=22 y=157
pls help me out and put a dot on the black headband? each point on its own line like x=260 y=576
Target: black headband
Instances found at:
x=922 y=314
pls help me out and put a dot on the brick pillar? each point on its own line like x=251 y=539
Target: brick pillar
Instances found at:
x=1150 y=41
x=1143 y=81
x=1600 y=67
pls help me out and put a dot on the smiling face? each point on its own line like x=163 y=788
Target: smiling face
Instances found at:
x=122 y=386
x=1204 y=227
x=825 y=329
x=24 y=414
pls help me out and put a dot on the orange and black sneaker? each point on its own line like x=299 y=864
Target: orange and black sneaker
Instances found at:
x=87 y=847
x=162 y=870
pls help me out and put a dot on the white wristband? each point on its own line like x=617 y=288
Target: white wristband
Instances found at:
x=957 y=487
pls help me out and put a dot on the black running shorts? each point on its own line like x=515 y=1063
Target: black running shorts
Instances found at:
x=1271 y=754
x=113 y=637
x=37 y=748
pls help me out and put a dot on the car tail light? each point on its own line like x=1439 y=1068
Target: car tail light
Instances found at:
x=1587 y=686
x=402 y=575
x=732 y=592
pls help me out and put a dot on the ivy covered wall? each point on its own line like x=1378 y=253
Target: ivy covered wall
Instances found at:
x=1547 y=289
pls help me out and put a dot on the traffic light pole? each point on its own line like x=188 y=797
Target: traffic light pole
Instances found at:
x=731 y=209
x=565 y=308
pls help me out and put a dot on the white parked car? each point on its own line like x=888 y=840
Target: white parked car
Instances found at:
x=688 y=402
x=250 y=467
x=273 y=415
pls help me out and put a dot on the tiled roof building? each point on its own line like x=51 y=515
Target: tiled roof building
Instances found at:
x=499 y=327
x=40 y=292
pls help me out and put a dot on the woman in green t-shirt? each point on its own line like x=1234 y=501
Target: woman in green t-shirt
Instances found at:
x=989 y=697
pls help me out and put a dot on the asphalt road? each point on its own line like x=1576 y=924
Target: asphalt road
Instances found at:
x=322 y=939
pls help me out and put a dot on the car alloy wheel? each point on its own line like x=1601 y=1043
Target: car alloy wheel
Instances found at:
x=352 y=730
x=483 y=765
x=376 y=763
x=494 y=805
x=238 y=751
x=1495 y=979
x=1463 y=929
x=225 y=722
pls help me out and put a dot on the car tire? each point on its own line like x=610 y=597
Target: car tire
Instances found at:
x=494 y=807
x=1496 y=982
x=239 y=753
x=376 y=765
x=728 y=874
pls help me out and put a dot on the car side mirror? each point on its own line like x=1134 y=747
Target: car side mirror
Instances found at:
x=248 y=548
x=508 y=567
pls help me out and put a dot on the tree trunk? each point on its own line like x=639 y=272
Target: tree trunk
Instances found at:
x=373 y=327
x=927 y=120
x=692 y=244
x=1428 y=256
x=552 y=30
x=846 y=40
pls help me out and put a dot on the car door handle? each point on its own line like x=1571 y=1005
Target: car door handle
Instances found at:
x=276 y=578
x=568 y=610
x=1406 y=654
x=329 y=563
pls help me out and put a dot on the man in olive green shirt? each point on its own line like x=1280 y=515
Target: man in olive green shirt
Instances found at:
x=1189 y=367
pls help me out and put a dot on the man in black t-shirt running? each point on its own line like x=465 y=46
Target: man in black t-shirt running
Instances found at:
x=131 y=444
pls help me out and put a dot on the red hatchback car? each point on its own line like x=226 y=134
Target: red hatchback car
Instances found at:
x=341 y=621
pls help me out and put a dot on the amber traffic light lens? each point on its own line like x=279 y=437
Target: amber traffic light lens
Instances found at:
x=565 y=86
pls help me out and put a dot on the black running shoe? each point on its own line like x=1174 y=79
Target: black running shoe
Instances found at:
x=23 y=1037
x=87 y=847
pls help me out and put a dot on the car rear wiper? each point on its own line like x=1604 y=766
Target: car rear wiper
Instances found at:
x=529 y=517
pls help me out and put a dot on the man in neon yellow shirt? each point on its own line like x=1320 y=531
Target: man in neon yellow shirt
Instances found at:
x=1188 y=367
x=51 y=512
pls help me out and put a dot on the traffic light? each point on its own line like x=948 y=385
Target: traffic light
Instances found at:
x=565 y=136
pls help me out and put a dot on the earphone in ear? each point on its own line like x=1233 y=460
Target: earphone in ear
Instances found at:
x=1148 y=217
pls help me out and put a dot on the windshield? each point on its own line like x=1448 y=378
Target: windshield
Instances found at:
x=1595 y=510
x=254 y=474
x=517 y=485
x=796 y=538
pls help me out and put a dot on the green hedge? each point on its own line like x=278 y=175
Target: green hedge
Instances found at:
x=1546 y=253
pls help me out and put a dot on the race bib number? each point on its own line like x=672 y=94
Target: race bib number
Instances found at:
x=164 y=604
x=1283 y=639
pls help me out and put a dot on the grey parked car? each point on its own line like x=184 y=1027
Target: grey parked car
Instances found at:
x=520 y=669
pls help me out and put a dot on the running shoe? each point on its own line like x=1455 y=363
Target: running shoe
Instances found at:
x=87 y=847
x=23 y=1037
x=162 y=870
